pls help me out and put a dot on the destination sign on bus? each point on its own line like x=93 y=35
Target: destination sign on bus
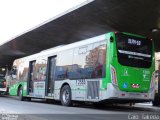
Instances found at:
x=134 y=42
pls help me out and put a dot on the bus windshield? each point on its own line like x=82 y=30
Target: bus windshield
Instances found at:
x=134 y=51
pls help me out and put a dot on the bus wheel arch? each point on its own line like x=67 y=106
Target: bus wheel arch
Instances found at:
x=20 y=92
x=66 y=95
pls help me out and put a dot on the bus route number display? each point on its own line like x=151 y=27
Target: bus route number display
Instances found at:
x=134 y=42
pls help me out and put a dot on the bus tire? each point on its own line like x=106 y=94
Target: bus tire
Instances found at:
x=20 y=94
x=156 y=101
x=65 y=96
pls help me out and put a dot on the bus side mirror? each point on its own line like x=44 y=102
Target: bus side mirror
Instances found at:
x=111 y=39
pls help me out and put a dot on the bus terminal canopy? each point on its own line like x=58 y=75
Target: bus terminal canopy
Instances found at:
x=87 y=20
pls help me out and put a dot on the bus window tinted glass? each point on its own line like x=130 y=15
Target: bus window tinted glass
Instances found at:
x=64 y=64
x=83 y=62
x=90 y=64
x=40 y=69
x=134 y=51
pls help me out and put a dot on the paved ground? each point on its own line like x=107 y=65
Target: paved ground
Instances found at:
x=40 y=110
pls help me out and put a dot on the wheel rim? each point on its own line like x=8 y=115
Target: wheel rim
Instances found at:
x=65 y=96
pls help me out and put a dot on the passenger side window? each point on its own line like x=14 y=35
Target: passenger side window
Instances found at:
x=90 y=64
x=40 y=69
x=98 y=57
x=81 y=67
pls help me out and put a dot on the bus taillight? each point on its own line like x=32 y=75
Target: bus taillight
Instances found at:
x=152 y=80
x=113 y=75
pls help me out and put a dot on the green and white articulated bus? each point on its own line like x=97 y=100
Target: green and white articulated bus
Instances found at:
x=112 y=67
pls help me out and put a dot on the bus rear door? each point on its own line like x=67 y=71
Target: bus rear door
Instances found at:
x=50 y=76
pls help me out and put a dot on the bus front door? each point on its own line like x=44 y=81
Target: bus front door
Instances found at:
x=50 y=76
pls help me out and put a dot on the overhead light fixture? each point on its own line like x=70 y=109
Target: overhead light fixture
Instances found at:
x=155 y=30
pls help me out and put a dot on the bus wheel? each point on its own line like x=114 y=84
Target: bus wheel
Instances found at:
x=65 y=96
x=20 y=94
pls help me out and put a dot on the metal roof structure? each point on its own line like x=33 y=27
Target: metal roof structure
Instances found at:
x=94 y=17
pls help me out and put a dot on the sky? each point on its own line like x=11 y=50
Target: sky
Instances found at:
x=19 y=16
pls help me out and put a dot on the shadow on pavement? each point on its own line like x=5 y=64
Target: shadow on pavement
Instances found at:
x=106 y=107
